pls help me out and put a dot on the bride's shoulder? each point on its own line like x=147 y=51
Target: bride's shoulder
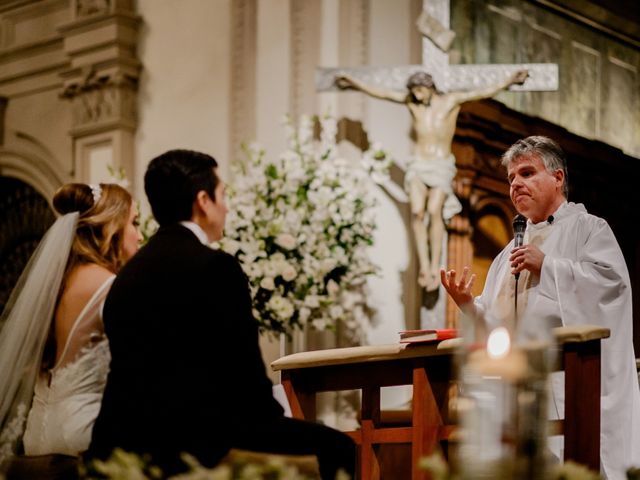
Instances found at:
x=81 y=286
x=85 y=280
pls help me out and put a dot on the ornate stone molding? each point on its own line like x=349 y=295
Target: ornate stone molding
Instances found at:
x=88 y=8
x=85 y=8
x=101 y=101
x=101 y=85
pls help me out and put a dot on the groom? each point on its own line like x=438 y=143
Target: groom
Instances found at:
x=186 y=371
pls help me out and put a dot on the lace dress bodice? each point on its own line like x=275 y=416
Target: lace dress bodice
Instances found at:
x=67 y=398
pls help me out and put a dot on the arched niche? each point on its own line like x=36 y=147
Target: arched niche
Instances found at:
x=25 y=215
x=32 y=170
x=29 y=176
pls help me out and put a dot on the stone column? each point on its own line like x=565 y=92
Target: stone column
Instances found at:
x=101 y=84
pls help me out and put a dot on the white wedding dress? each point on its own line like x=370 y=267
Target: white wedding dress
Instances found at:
x=67 y=398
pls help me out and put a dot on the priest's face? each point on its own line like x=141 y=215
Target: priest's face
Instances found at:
x=535 y=192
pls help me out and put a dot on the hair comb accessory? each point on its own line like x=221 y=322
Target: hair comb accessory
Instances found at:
x=96 y=191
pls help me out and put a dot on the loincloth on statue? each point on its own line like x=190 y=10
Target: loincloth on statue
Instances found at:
x=436 y=173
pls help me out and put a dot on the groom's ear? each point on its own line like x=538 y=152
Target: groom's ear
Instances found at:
x=198 y=209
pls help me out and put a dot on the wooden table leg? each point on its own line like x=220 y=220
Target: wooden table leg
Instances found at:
x=426 y=420
x=303 y=404
x=370 y=419
x=582 y=395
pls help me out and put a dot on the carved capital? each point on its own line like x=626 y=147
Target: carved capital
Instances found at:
x=84 y=8
x=102 y=100
x=88 y=8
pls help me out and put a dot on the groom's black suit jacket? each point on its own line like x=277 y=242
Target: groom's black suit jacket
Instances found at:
x=186 y=367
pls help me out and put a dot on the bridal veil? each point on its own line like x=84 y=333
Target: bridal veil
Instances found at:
x=24 y=328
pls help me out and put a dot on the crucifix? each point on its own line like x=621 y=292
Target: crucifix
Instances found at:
x=433 y=93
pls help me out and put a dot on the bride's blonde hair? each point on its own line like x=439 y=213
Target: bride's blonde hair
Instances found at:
x=103 y=216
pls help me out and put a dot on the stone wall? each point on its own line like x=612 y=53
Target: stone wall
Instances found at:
x=599 y=94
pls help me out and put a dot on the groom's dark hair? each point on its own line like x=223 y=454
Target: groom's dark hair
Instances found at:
x=173 y=180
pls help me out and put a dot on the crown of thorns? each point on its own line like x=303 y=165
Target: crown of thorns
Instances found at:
x=420 y=79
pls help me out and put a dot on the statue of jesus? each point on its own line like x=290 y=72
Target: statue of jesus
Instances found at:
x=432 y=167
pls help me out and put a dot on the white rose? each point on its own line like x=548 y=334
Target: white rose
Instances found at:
x=286 y=241
x=336 y=312
x=267 y=283
x=286 y=312
x=247 y=211
x=304 y=314
x=288 y=273
x=319 y=323
x=270 y=268
x=332 y=288
x=311 y=301
x=281 y=306
x=350 y=299
x=231 y=246
x=253 y=270
x=327 y=264
x=275 y=302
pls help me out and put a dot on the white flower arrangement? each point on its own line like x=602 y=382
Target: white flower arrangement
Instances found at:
x=300 y=226
x=122 y=465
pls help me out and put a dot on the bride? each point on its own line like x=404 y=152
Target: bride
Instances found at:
x=54 y=356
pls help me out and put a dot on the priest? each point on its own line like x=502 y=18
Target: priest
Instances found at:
x=568 y=271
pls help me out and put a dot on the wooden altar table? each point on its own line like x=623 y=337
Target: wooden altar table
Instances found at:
x=429 y=369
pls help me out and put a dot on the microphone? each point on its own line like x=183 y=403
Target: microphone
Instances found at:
x=519 y=226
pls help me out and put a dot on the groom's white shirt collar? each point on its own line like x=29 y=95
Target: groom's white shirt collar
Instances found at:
x=197 y=231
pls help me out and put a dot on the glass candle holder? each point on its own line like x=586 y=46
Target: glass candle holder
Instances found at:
x=502 y=409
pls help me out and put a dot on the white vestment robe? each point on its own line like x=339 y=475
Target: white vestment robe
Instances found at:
x=584 y=280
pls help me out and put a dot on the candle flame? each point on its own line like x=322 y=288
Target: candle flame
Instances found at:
x=498 y=343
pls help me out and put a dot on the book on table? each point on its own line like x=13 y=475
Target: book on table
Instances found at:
x=429 y=335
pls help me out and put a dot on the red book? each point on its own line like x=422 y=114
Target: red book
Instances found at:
x=416 y=336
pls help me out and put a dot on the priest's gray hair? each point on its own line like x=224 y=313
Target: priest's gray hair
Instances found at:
x=549 y=151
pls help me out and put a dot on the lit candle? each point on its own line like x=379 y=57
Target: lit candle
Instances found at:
x=499 y=360
x=497 y=421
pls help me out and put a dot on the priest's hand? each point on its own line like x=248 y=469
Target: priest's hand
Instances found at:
x=460 y=290
x=527 y=257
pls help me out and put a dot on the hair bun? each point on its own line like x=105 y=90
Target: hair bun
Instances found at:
x=73 y=197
